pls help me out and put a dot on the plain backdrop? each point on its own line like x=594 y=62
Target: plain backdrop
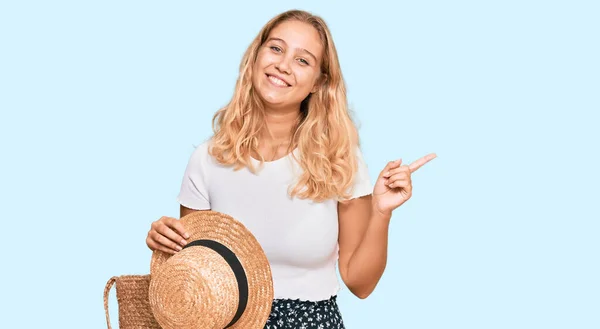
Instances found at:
x=102 y=103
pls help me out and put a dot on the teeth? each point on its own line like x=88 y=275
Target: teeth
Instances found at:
x=277 y=81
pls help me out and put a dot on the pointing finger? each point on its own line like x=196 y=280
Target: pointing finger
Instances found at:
x=419 y=163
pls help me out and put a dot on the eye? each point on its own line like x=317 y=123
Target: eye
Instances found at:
x=275 y=48
x=303 y=61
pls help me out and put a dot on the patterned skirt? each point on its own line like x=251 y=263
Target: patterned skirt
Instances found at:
x=301 y=314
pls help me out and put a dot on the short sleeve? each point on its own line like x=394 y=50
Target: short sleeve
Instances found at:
x=362 y=181
x=194 y=190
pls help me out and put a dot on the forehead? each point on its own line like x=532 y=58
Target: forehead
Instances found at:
x=299 y=35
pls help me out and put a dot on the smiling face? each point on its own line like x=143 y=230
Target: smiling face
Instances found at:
x=287 y=66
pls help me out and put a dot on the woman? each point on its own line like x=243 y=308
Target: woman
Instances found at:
x=285 y=159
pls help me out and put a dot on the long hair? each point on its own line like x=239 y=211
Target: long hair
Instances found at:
x=325 y=135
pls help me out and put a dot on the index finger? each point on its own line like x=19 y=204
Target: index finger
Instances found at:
x=419 y=163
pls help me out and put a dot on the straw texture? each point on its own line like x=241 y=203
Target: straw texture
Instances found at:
x=132 y=297
x=184 y=293
x=196 y=288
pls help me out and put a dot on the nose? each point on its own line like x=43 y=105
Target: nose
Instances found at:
x=283 y=65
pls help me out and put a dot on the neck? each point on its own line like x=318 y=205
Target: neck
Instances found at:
x=279 y=124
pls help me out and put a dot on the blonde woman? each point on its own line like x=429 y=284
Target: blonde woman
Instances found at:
x=285 y=160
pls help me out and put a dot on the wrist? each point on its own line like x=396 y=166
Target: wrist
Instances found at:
x=381 y=216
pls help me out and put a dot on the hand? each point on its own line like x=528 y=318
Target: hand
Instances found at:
x=394 y=185
x=167 y=234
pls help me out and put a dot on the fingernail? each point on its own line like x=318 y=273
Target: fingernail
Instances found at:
x=179 y=248
x=183 y=243
x=387 y=173
x=187 y=236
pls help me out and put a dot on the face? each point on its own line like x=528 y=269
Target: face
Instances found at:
x=287 y=67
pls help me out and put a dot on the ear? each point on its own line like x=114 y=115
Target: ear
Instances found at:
x=319 y=83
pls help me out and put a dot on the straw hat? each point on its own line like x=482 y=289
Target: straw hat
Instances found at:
x=221 y=279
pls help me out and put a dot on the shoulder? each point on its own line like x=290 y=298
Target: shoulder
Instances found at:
x=362 y=184
x=203 y=147
x=201 y=153
x=362 y=168
x=199 y=161
x=359 y=153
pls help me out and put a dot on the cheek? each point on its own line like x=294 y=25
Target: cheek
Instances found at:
x=257 y=64
x=258 y=68
x=264 y=59
x=306 y=79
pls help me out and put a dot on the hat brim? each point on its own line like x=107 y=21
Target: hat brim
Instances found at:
x=234 y=235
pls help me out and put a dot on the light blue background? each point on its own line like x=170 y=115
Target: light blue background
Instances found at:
x=102 y=102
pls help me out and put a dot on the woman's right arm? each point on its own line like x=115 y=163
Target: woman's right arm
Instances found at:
x=184 y=211
x=168 y=234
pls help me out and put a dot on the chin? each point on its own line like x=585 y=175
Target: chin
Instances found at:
x=274 y=101
x=272 y=98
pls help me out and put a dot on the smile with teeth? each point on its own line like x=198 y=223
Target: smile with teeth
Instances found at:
x=277 y=81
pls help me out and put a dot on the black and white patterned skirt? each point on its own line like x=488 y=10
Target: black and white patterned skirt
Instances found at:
x=301 y=314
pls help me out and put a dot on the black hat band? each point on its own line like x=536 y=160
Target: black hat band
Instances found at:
x=238 y=270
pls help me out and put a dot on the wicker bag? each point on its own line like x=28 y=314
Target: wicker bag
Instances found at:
x=132 y=298
x=221 y=279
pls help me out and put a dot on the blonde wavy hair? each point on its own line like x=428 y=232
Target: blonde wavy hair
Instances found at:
x=325 y=134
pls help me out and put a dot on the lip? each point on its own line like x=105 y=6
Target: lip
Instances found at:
x=278 y=77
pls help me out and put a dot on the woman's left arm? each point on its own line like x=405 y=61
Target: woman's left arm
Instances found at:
x=363 y=241
x=364 y=223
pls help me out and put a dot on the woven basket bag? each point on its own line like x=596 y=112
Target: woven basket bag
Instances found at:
x=132 y=298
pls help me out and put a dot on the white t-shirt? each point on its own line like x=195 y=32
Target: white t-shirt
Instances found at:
x=299 y=236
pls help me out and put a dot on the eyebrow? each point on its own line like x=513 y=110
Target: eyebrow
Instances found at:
x=302 y=49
